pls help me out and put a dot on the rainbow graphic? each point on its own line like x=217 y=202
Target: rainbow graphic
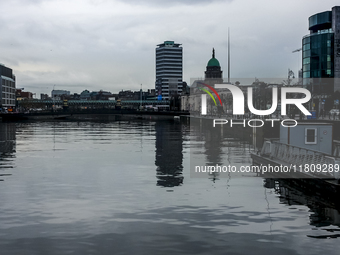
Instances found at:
x=208 y=92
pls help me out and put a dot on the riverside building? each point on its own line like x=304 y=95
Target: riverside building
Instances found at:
x=321 y=53
x=7 y=87
x=169 y=69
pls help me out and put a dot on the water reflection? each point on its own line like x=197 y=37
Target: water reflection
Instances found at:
x=221 y=145
x=89 y=188
x=213 y=149
x=7 y=147
x=169 y=155
x=324 y=212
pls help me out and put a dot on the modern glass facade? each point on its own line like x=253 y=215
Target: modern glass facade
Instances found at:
x=318 y=53
x=320 y=21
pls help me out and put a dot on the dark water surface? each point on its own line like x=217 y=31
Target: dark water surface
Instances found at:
x=124 y=187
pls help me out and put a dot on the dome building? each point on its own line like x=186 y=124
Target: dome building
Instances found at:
x=213 y=73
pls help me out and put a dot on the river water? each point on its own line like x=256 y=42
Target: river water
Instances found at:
x=124 y=187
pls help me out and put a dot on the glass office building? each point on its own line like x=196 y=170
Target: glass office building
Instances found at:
x=319 y=52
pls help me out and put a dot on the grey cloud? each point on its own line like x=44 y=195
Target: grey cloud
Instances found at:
x=28 y=2
x=171 y=3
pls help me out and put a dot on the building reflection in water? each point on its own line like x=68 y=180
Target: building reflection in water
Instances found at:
x=213 y=149
x=7 y=147
x=324 y=212
x=169 y=155
x=221 y=145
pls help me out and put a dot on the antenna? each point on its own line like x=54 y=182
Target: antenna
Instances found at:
x=228 y=56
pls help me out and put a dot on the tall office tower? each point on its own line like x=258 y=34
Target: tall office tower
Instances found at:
x=321 y=52
x=7 y=87
x=169 y=69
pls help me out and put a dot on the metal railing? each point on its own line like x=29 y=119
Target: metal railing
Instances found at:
x=318 y=163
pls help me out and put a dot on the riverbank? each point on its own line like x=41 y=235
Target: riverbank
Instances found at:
x=90 y=114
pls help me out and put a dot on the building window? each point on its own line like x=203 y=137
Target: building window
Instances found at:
x=310 y=136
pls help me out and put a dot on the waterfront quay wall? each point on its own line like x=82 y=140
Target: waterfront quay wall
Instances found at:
x=91 y=114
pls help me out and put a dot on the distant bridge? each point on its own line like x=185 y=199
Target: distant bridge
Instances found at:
x=38 y=102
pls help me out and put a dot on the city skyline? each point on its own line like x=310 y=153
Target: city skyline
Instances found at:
x=110 y=45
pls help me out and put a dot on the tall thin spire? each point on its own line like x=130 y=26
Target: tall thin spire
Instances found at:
x=228 y=56
x=213 y=55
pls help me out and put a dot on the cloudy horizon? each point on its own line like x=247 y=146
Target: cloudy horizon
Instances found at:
x=110 y=45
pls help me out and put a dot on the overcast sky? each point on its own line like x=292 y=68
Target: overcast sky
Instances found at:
x=110 y=44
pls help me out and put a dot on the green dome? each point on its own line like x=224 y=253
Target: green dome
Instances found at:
x=213 y=62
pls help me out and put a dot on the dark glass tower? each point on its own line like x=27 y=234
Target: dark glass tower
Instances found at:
x=320 y=50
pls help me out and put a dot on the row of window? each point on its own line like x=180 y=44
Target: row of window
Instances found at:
x=6 y=95
x=8 y=102
x=166 y=80
x=166 y=85
x=169 y=75
x=169 y=61
x=7 y=83
x=169 y=65
x=320 y=18
x=318 y=65
x=172 y=74
x=323 y=35
x=318 y=74
x=315 y=52
x=160 y=67
x=166 y=92
x=9 y=90
x=164 y=71
x=317 y=45
x=172 y=62
x=168 y=56
x=176 y=54
x=172 y=50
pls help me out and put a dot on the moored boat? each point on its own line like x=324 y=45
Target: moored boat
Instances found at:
x=306 y=151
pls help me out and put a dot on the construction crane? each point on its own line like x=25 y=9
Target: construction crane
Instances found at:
x=290 y=72
x=297 y=50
